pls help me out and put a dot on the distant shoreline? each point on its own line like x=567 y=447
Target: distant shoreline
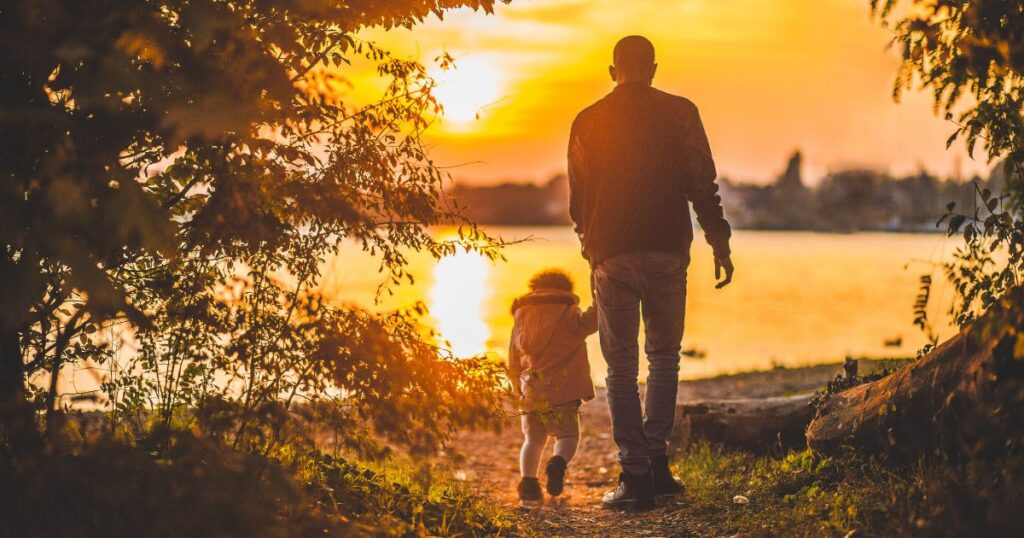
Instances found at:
x=842 y=201
x=914 y=230
x=780 y=381
x=777 y=381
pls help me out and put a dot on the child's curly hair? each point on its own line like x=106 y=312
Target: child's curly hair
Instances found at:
x=551 y=279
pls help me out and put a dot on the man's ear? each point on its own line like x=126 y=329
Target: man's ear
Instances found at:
x=611 y=71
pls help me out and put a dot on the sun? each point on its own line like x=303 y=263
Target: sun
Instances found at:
x=466 y=89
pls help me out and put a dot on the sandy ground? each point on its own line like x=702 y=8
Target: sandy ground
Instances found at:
x=491 y=463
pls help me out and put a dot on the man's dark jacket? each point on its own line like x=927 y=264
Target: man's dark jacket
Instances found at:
x=635 y=158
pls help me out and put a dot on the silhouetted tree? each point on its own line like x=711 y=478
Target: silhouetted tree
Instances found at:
x=854 y=200
x=516 y=204
x=155 y=150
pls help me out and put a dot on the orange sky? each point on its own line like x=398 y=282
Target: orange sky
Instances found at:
x=768 y=76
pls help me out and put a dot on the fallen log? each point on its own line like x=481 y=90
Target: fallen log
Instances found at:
x=750 y=424
x=966 y=397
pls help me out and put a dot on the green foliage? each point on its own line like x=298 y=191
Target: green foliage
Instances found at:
x=180 y=170
x=176 y=173
x=390 y=505
x=803 y=494
x=924 y=295
x=991 y=261
x=850 y=378
x=973 y=49
x=967 y=47
x=195 y=488
x=236 y=351
x=199 y=487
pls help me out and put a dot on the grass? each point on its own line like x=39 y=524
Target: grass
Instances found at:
x=802 y=494
x=402 y=500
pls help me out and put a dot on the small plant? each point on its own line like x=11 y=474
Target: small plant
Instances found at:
x=991 y=260
x=849 y=378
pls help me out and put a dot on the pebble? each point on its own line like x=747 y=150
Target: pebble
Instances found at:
x=740 y=499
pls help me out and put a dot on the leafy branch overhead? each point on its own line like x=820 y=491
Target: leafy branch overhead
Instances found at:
x=959 y=48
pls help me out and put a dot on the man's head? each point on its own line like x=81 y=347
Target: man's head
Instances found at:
x=633 y=60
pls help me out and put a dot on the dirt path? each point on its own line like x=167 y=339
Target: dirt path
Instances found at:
x=493 y=459
x=491 y=462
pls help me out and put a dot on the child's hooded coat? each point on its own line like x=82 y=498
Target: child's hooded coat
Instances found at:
x=548 y=353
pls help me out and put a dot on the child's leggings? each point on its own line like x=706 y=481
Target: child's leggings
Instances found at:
x=561 y=422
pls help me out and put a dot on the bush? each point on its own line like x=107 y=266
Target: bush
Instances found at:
x=201 y=487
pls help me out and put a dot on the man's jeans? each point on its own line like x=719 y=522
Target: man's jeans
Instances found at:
x=653 y=283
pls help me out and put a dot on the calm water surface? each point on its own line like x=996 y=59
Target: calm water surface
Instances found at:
x=797 y=297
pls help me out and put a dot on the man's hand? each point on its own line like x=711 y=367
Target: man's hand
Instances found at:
x=723 y=263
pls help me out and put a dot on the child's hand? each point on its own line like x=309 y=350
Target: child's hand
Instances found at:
x=589 y=319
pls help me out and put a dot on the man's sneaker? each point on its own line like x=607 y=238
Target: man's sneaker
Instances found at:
x=555 y=470
x=529 y=490
x=662 y=481
x=634 y=493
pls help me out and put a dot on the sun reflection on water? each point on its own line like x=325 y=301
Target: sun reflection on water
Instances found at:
x=457 y=302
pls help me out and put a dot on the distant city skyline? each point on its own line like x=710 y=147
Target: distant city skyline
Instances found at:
x=845 y=200
x=769 y=77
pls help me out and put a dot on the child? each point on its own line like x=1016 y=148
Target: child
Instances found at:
x=549 y=367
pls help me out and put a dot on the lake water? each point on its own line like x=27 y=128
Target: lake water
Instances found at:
x=797 y=297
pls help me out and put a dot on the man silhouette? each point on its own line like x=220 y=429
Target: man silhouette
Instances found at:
x=635 y=158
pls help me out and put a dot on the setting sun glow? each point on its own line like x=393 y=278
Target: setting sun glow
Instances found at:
x=466 y=89
x=803 y=74
x=457 y=302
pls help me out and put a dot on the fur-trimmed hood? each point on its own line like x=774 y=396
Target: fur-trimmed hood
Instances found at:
x=545 y=296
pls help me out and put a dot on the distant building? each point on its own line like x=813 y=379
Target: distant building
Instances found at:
x=786 y=204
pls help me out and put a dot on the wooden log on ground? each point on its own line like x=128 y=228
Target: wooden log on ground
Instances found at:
x=965 y=397
x=750 y=424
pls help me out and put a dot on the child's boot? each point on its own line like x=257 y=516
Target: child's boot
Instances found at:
x=529 y=490
x=555 y=470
